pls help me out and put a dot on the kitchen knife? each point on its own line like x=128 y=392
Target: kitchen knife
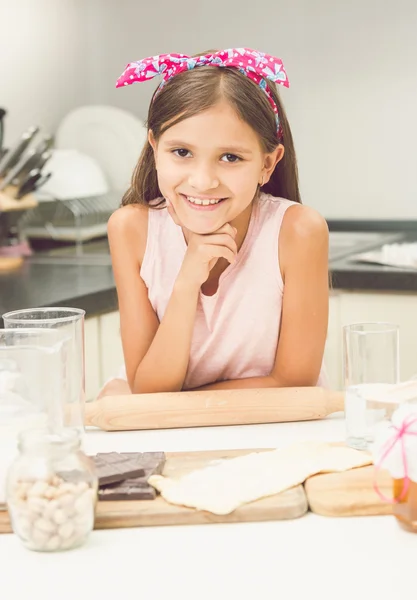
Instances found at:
x=45 y=144
x=15 y=171
x=37 y=160
x=212 y=408
x=13 y=156
x=34 y=181
x=28 y=184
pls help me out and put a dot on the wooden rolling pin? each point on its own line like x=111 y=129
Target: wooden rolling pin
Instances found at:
x=211 y=408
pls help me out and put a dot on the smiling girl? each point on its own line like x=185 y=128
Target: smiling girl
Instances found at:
x=221 y=272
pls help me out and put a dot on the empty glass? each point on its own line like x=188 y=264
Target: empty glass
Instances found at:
x=69 y=323
x=371 y=366
x=30 y=387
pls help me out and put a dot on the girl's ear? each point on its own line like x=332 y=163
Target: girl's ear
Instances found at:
x=151 y=140
x=270 y=162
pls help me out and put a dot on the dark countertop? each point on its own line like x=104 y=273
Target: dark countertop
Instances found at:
x=88 y=287
x=366 y=235
x=367 y=277
x=61 y=279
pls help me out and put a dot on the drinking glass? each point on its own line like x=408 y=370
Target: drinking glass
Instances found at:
x=69 y=323
x=371 y=366
x=30 y=388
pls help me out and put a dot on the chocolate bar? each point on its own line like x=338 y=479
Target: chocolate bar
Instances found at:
x=136 y=488
x=113 y=467
x=151 y=462
x=130 y=489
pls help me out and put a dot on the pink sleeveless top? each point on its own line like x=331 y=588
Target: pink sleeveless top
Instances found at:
x=236 y=331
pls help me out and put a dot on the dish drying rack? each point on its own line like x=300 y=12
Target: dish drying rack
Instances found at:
x=76 y=220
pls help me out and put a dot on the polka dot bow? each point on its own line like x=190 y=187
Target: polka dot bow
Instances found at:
x=258 y=66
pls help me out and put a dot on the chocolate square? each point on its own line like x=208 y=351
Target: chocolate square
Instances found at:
x=130 y=489
x=113 y=467
x=135 y=488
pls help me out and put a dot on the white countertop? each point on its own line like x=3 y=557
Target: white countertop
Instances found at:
x=326 y=558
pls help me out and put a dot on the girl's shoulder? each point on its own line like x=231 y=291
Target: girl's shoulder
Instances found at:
x=128 y=219
x=297 y=218
x=304 y=221
x=127 y=228
x=304 y=235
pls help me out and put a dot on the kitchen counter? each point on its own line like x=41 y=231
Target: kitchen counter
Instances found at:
x=348 y=238
x=78 y=285
x=313 y=556
x=59 y=278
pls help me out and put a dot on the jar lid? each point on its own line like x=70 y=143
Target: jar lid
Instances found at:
x=395 y=445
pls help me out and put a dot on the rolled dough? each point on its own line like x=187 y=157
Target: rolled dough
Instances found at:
x=225 y=485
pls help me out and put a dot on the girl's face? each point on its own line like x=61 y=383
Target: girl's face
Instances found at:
x=209 y=167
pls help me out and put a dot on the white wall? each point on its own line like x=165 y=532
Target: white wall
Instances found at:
x=42 y=62
x=353 y=96
x=352 y=101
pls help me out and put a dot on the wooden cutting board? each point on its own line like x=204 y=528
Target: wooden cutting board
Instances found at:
x=212 y=408
x=349 y=494
x=109 y=515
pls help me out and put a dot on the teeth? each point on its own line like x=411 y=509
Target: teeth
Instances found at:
x=205 y=202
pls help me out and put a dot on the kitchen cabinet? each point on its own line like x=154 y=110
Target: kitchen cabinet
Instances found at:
x=111 y=355
x=347 y=307
x=104 y=354
x=333 y=348
x=398 y=308
x=92 y=357
x=103 y=351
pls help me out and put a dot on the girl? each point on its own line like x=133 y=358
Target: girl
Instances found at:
x=221 y=272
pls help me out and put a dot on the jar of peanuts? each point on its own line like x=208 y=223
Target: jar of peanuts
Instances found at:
x=51 y=490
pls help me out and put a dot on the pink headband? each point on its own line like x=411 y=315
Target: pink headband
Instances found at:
x=256 y=65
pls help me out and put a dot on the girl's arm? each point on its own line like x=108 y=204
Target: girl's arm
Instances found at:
x=303 y=252
x=156 y=354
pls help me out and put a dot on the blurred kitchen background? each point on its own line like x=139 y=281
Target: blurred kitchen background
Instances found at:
x=351 y=106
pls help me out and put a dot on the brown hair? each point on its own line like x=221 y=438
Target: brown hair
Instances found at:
x=196 y=90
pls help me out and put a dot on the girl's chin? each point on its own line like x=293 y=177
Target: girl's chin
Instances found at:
x=202 y=228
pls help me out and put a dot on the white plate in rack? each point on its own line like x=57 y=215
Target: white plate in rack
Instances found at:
x=114 y=137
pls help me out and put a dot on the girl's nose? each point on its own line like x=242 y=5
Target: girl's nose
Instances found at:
x=203 y=178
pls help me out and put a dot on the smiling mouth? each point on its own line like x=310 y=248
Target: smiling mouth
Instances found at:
x=203 y=203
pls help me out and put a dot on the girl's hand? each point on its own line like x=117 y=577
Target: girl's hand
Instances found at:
x=204 y=251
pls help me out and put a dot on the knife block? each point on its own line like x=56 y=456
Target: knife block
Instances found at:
x=10 y=263
x=8 y=201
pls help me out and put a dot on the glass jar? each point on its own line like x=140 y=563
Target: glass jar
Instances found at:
x=51 y=490
x=405 y=509
x=395 y=450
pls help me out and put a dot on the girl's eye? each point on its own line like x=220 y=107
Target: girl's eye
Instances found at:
x=181 y=152
x=231 y=158
x=184 y=153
